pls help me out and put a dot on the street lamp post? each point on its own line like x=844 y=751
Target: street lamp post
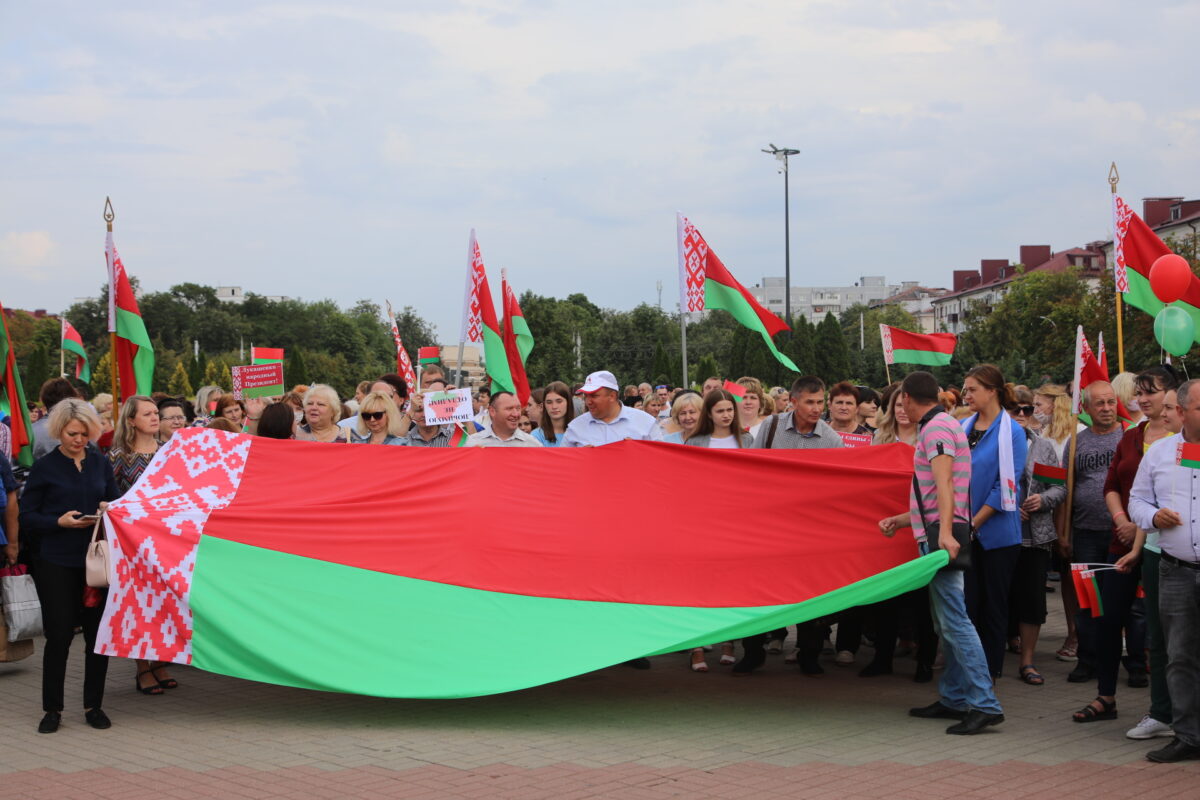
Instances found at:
x=782 y=154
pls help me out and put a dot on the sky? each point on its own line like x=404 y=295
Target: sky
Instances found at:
x=345 y=150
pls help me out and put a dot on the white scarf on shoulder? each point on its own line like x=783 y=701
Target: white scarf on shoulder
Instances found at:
x=1008 y=473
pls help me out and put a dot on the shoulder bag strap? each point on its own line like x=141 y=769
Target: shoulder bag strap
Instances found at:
x=771 y=433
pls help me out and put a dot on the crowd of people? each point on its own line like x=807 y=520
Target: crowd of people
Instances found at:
x=985 y=457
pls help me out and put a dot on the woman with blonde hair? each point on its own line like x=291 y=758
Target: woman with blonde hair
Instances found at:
x=135 y=441
x=753 y=408
x=322 y=410
x=378 y=421
x=1125 y=388
x=66 y=489
x=206 y=399
x=1052 y=409
x=685 y=416
x=894 y=426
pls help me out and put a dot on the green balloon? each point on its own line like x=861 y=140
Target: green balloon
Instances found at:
x=1175 y=330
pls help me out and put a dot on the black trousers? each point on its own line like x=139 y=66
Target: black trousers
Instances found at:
x=887 y=624
x=987 y=585
x=60 y=590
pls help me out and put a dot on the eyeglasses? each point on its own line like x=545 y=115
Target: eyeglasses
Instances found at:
x=372 y=415
x=1026 y=410
x=179 y=418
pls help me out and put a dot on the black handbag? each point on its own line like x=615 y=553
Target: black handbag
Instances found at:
x=961 y=532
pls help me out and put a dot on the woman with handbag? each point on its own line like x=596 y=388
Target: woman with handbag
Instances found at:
x=135 y=441
x=65 y=491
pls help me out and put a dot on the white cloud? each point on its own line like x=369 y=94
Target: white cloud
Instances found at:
x=29 y=252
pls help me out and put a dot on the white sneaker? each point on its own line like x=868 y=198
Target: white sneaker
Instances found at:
x=1149 y=728
x=844 y=658
x=792 y=656
x=775 y=647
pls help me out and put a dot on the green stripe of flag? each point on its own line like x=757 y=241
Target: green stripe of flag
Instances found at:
x=496 y=360
x=926 y=358
x=727 y=298
x=365 y=632
x=131 y=326
x=524 y=337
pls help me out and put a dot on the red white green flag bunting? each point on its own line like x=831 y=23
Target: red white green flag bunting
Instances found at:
x=72 y=342
x=705 y=283
x=12 y=400
x=216 y=562
x=905 y=347
x=480 y=325
x=134 y=352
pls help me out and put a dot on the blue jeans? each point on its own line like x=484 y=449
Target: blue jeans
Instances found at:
x=966 y=682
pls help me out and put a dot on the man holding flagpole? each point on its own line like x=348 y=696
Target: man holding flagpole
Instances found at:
x=1163 y=498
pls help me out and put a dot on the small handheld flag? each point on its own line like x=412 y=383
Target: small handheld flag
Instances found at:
x=1055 y=476
x=266 y=355
x=72 y=342
x=428 y=355
x=737 y=390
x=1187 y=455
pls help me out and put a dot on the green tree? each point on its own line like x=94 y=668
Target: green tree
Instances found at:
x=803 y=346
x=662 y=367
x=37 y=370
x=296 y=372
x=102 y=374
x=705 y=368
x=831 y=351
x=226 y=377
x=179 y=384
x=212 y=373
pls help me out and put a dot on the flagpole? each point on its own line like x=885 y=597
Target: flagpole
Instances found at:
x=109 y=216
x=62 y=353
x=1113 y=179
x=683 y=344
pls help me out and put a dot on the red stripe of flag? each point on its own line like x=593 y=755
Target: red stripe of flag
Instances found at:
x=925 y=342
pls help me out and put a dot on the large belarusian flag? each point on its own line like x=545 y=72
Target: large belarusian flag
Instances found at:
x=479 y=320
x=72 y=342
x=134 y=352
x=266 y=355
x=705 y=283
x=1135 y=249
x=220 y=564
x=518 y=339
x=12 y=399
x=905 y=347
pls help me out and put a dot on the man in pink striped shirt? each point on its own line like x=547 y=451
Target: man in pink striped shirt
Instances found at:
x=942 y=465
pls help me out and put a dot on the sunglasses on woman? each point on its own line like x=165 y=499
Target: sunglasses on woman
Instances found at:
x=1026 y=410
x=372 y=415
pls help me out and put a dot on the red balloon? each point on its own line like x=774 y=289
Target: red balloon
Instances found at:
x=1170 y=277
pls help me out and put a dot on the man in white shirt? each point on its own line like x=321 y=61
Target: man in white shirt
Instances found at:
x=505 y=430
x=608 y=420
x=1164 y=498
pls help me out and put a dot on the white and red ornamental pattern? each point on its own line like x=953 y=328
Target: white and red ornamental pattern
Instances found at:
x=472 y=327
x=885 y=335
x=693 y=258
x=154 y=533
x=1122 y=214
x=116 y=274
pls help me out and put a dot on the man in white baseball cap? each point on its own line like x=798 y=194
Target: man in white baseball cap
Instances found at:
x=608 y=420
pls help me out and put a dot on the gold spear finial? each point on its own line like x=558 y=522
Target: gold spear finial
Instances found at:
x=1113 y=177
x=109 y=216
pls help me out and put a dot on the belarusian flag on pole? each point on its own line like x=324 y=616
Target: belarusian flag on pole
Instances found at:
x=72 y=342
x=479 y=320
x=1135 y=249
x=737 y=390
x=403 y=363
x=905 y=347
x=266 y=355
x=134 y=352
x=518 y=340
x=12 y=401
x=705 y=283
x=429 y=355
x=1087 y=370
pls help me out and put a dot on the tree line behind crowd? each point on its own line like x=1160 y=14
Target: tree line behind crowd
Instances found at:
x=1028 y=334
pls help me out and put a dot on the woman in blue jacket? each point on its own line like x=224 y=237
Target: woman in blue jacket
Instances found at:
x=998 y=450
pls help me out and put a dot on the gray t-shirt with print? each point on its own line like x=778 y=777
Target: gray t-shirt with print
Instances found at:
x=1093 y=455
